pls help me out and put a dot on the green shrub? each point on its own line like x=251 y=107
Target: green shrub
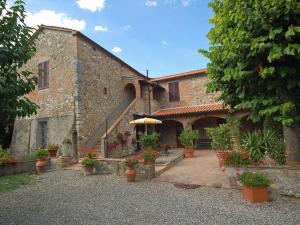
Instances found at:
x=236 y=159
x=149 y=140
x=88 y=162
x=41 y=153
x=274 y=146
x=91 y=155
x=52 y=147
x=254 y=179
x=220 y=137
x=253 y=142
x=188 y=137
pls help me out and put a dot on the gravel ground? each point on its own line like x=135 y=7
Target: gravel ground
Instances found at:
x=67 y=197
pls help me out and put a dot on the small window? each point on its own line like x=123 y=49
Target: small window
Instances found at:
x=42 y=134
x=43 y=75
x=174 y=91
x=105 y=91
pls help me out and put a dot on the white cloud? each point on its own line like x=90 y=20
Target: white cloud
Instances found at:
x=185 y=2
x=164 y=42
x=116 y=50
x=100 y=29
x=92 y=5
x=151 y=3
x=52 y=18
x=126 y=27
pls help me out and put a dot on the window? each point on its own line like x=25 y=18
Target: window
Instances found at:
x=105 y=91
x=174 y=91
x=42 y=134
x=43 y=75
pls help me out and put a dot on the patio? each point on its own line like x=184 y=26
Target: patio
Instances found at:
x=202 y=169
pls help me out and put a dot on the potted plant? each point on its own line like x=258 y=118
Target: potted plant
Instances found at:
x=91 y=155
x=41 y=163
x=88 y=166
x=130 y=169
x=52 y=150
x=149 y=140
x=188 y=138
x=220 y=141
x=149 y=155
x=255 y=187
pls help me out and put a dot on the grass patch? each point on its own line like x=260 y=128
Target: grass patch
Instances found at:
x=11 y=182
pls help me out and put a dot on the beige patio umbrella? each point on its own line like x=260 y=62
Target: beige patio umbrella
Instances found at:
x=146 y=121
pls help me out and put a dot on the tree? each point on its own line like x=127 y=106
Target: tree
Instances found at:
x=17 y=46
x=255 y=61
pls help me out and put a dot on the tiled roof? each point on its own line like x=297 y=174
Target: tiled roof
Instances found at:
x=177 y=75
x=192 y=109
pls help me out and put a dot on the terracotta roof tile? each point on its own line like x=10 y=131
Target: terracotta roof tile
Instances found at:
x=172 y=76
x=192 y=109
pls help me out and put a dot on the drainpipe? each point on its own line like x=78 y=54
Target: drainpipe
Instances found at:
x=149 y=99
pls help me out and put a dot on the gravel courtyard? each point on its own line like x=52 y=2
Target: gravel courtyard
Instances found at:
x=66 y=197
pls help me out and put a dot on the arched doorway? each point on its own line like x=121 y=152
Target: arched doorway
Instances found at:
x=169 y=132
x=130 y=91
x=200 y=125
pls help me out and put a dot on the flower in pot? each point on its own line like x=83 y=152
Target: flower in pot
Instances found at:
x=188 y=138
x=88 y=166
x=41 y=155
x=255 y=187
x=220 y=141
x=130 y=170
x=91 y=155
x=52 y=150
x=149 y=140
x=148 y=155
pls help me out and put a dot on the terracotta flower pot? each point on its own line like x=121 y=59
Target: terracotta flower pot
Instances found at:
x=52 y=153
x=88 y=170
x=255 y=194
x=41 y=164
x=130 y=174
x=188 y=152
x=222 y=156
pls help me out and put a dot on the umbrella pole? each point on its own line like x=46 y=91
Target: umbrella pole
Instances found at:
x=146 y=129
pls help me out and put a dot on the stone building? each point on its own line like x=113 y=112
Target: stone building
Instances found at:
x=85 y=91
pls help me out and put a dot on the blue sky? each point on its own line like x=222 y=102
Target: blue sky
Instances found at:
x=160 y=35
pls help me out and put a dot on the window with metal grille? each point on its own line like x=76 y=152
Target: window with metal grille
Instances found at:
x=43 y=75
x=174 y=94
x=42 y=134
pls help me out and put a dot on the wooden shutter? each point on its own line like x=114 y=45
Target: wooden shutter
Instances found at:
x=174 y=91
x=40 y=75
x=46 y=74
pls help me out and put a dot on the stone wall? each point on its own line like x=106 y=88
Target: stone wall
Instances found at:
x=56 y=103
x=98 y=70
x=284 y=179
x=192 y=92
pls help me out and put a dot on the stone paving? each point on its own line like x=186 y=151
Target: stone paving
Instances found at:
x=202 y=169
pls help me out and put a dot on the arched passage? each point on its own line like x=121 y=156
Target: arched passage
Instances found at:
x=247 y=125
x=169 y=132
x=200 y=125
x=130 y=91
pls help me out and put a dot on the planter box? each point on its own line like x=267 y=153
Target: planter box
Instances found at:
x=20 y=167
x=255 y=194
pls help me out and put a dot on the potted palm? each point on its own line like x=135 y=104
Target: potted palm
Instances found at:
x=88 y=166
x=220 y=142
x=130 y=169
x=52 y=150
x=188 y=138
x=41 y=163
x=255 y=187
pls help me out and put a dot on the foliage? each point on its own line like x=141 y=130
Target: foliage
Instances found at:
x=149 y=140
x=234 y=125
x=253 y=142
x=254 y=57
x=220 y=137
x=260 y=143
x=254 y=179
x=67 y=141
x=17 y=47
x=27 y=157
x=148 y=154
x=11 y=182
x=274 y=146
x=188 y=137
x=5 y=157
x=131 y=162
x=88 y=162
x=40 y=153
x=91 y=155
x=236 y=159
x=53 y=147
